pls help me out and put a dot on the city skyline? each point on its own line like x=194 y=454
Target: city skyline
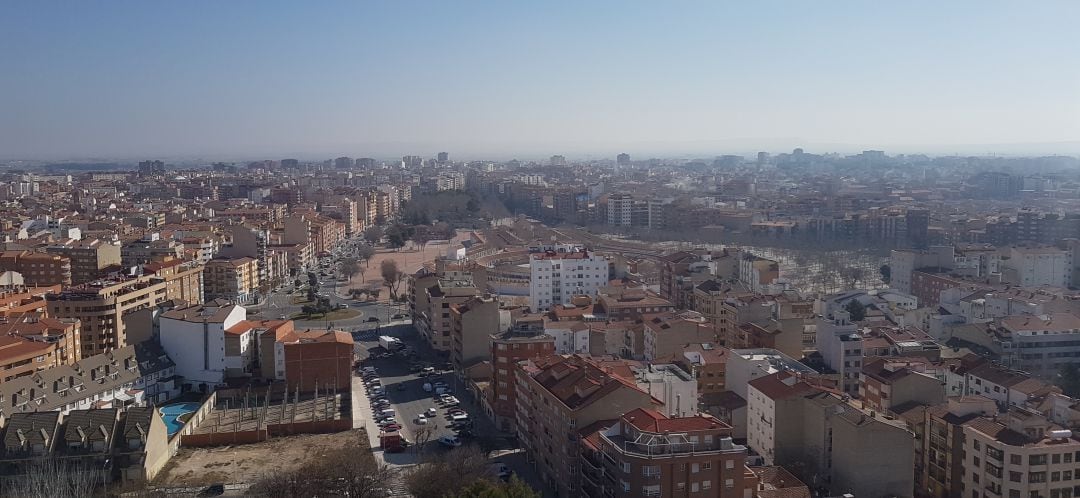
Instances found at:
x=242 y=80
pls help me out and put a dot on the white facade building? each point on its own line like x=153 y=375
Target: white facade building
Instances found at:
x=1035 y=266
x=556 y=277
x=194 y=337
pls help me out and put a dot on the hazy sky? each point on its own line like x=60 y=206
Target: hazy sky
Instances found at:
x=319 y=79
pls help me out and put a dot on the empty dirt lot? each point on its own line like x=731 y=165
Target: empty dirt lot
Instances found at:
x=247 y=463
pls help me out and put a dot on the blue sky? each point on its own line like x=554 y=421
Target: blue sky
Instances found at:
x=238 y=79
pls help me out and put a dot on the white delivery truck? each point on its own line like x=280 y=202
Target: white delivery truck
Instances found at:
x=389 y=343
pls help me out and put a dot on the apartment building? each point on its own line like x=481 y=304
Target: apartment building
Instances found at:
x=101 y=307
x=183 y=279
x=939 y=443
x=1037 y=266
x=885 y=385
x=644 y=453
x=37 y=268
x=841 y=348
x=824 y=437
x=89 y=257
x=430 y=297
x=525 y=340
x=557 y=396
x=149 y=248
x=60 y=334
x=17 y=299
x=472 y=323
x=1019 y=453
x=666 y=333
x=739 y=310
x=232 y=279
x=136 y=375
x=317 y=360
x=556 y=277
x=207 y=342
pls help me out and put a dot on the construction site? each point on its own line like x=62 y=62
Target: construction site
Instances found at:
x=251 y=415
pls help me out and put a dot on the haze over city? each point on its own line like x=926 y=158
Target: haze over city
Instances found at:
x=612 y=249
x=227 y=80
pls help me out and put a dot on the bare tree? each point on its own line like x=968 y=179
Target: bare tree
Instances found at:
x=51 y=478
x=391 y=276
x=423 y=434
x=447 y=473
x=350 y=471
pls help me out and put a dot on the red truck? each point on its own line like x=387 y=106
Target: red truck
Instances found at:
x=393 y=442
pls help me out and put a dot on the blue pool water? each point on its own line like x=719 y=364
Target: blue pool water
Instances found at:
x=171 y=415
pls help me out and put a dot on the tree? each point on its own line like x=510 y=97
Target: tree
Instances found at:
x=397 y=235
x=886 y=274
x=364 y=253
x=373 y=234
x=422 y=435
x=516 y=488
x=349 y=267
x=1069 y=379
x=349 y=471
x=391 y=276
x=447 y=473
x=856 y=309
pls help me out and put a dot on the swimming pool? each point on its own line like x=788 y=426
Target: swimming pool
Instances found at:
x=171 y=415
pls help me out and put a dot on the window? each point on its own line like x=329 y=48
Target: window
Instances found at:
x=729 y=483
x=706 y=466
x=1055 y=476
x=1015 y=460
x=729 y=464
x=1037 y=477
x=626 y=467
x=706 y=484
x=1037 y=460
x=976 y=444
x=1016 y=476
x=695 y=468
x=695 y=487
x=1056 y=457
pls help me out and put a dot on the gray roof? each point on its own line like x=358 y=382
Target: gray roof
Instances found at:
x=87 y=426
x=23 y=430
x=52 y=388
x=137 y=420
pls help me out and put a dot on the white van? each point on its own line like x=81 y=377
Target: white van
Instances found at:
x=386 y=412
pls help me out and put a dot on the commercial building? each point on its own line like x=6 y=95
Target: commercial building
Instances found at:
x=646 y=454
x=556 y=277
x=1019 y=453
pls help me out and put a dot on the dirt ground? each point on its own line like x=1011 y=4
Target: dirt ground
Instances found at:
x=409 y=260
x=247 y=463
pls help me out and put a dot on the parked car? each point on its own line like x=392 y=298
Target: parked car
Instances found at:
x=459 y=417
x=450 y=441
x=501 y=471
x=431 y=413
x=420 y=420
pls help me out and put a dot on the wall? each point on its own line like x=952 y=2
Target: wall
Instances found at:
x=157 y=447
